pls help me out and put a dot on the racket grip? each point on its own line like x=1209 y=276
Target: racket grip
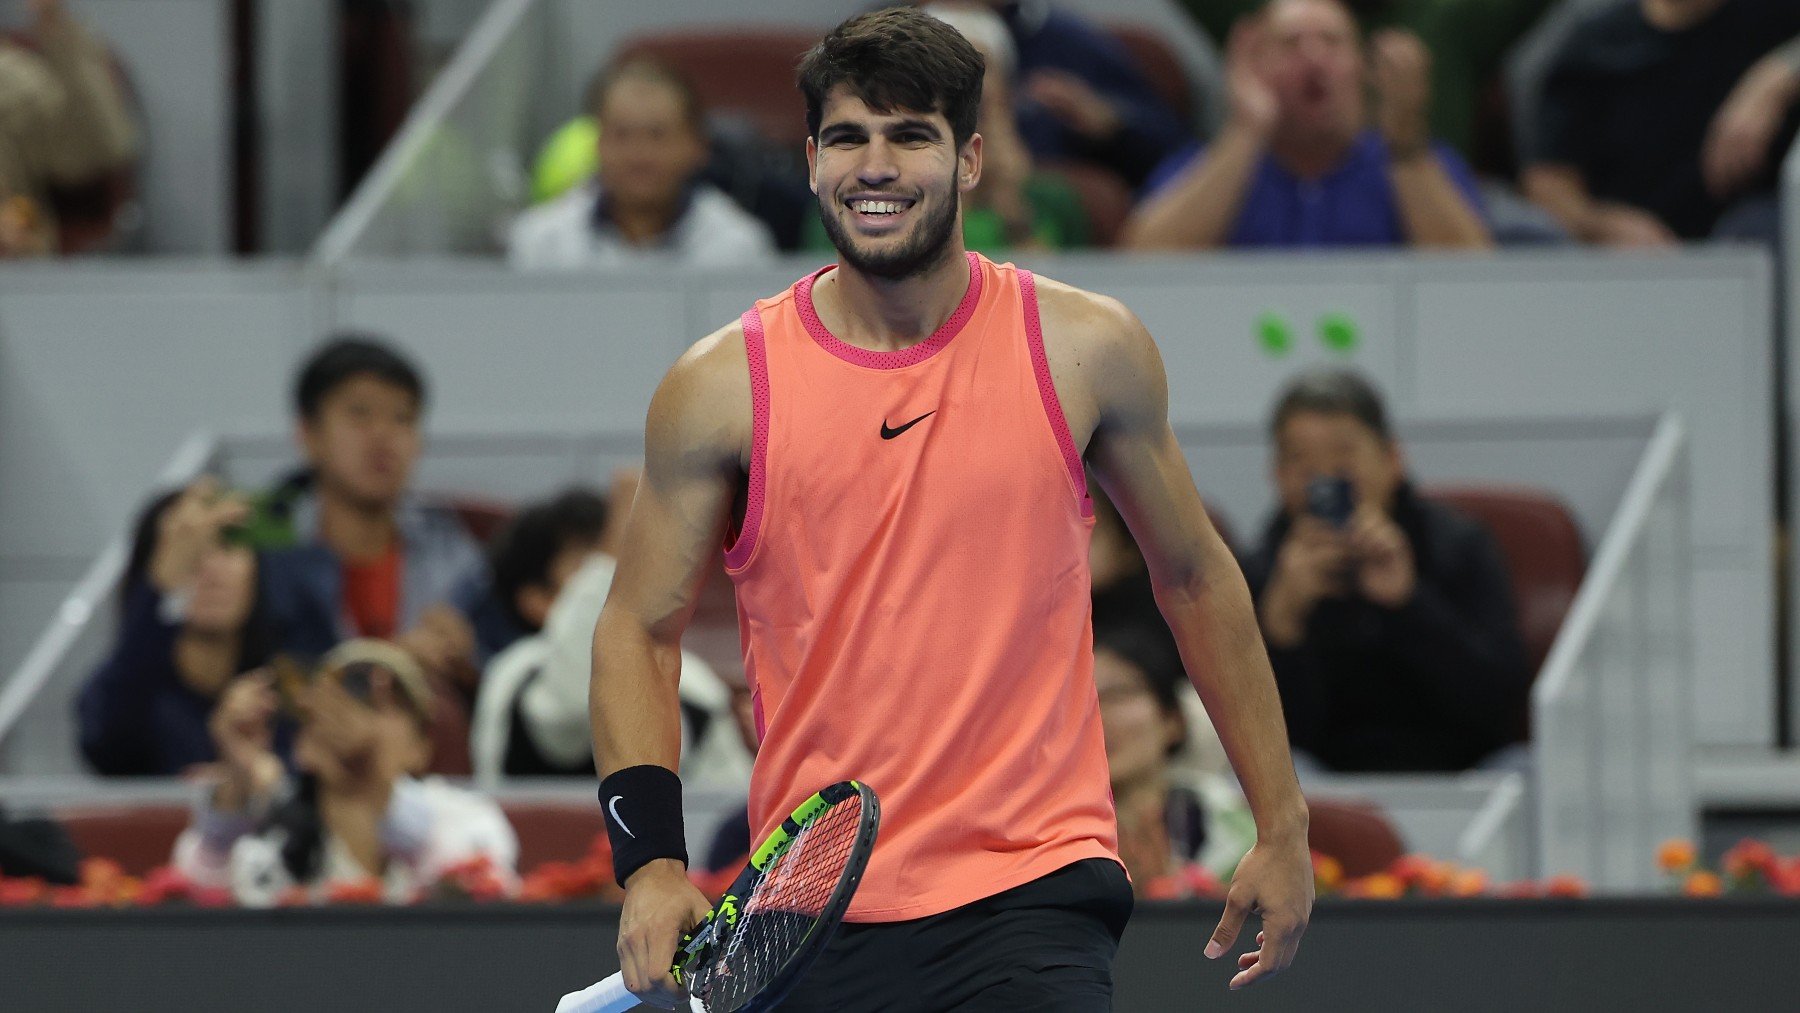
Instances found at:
x=608 y=996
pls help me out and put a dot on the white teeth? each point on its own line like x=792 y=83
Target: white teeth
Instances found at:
x=877 y=207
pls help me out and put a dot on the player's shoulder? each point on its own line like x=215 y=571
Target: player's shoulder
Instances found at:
x=1088 y=321
x=713 y=364
x=704 y=398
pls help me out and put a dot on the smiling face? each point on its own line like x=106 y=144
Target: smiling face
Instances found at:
x=890 y=185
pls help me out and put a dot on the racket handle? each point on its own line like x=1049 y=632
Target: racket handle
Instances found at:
x=609 y=996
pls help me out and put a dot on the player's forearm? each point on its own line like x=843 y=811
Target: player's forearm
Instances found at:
x=1433 y=210
x=633 y=696
x=1198 y=208
x=1215 y=626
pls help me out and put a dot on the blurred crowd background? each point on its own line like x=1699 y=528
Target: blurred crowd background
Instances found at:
x=354 y=666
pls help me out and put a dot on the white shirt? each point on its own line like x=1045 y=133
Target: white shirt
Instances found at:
x=561 y=235
x=430 y=826
x=546 y=677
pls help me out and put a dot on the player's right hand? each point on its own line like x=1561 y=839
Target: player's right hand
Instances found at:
x=660 y=905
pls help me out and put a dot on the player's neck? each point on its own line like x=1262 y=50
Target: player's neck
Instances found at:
x=888 y=316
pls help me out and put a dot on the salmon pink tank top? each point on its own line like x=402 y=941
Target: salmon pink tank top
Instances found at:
x=913 y=597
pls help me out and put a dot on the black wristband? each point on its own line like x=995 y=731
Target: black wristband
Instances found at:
x=643 y=817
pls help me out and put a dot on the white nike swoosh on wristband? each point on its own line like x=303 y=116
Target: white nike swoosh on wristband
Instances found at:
x=613 y=807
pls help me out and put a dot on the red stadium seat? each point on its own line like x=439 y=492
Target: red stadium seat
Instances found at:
x=138 y=837
x=553 y=831
x=1357 y=834
x=1544 y=559
x=744 y=71
x=1543 y=554
x=482 y=517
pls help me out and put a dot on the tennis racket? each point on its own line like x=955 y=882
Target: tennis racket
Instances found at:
x=776 y=918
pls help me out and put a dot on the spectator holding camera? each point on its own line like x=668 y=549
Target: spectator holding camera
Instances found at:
x=1389 y=618
x=190 y=620
x=1303 y=160
x=367 y=557
x=357 y=811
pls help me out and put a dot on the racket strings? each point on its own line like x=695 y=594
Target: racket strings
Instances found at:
x=778 y=916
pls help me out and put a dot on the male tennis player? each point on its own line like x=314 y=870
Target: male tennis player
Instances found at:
x=892 y=450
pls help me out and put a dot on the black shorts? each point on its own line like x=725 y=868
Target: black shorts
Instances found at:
x=1046 y=946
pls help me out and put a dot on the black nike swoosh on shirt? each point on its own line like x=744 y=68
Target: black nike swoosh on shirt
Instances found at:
x=888 y=434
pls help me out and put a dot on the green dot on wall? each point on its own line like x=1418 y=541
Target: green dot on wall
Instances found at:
x=1339 y=333
x=1275 y=334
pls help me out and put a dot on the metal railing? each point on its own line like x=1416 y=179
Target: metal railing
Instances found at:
x=1612 y=742
x=445 y=155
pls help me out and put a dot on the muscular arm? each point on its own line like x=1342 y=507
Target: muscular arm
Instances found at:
x=1198 y=207
x=1117 y=392
x=1433 y=210
x=693 y=443
x=1198 y=585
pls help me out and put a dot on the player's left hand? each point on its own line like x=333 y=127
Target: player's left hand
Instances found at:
x=1275 y=881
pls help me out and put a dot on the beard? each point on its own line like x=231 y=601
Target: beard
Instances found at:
x=924 y=250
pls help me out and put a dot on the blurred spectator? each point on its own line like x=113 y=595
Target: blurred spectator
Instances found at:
x=37 y=848
x=368 y=558
x=1122 y=591
x=190 y=621
x=1167 y=833
x=531 y=717
x=63 y=121
x=1468 y=41
x=647 y=196
x=729 y=850
x=357 y=811
x=1014 y=207
x=1081 y=95
x=1298 y=162
x=1123 y=597
x=1388 y=618
x=1665 y=120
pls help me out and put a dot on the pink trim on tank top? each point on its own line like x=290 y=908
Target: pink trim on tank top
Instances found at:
x=1040 y=364
x=738 y=553
x=887 y=360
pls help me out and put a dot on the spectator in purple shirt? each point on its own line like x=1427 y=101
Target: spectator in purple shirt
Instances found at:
x=1303 y=160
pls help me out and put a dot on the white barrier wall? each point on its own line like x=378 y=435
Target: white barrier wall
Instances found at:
x=102 y=371
x=1578 y=460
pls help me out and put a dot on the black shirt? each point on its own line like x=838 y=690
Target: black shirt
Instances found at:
x=1433 y=685
x=1629 y=105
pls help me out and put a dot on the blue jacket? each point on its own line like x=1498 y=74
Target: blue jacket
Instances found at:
x=135 y=713
x=303 y=586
